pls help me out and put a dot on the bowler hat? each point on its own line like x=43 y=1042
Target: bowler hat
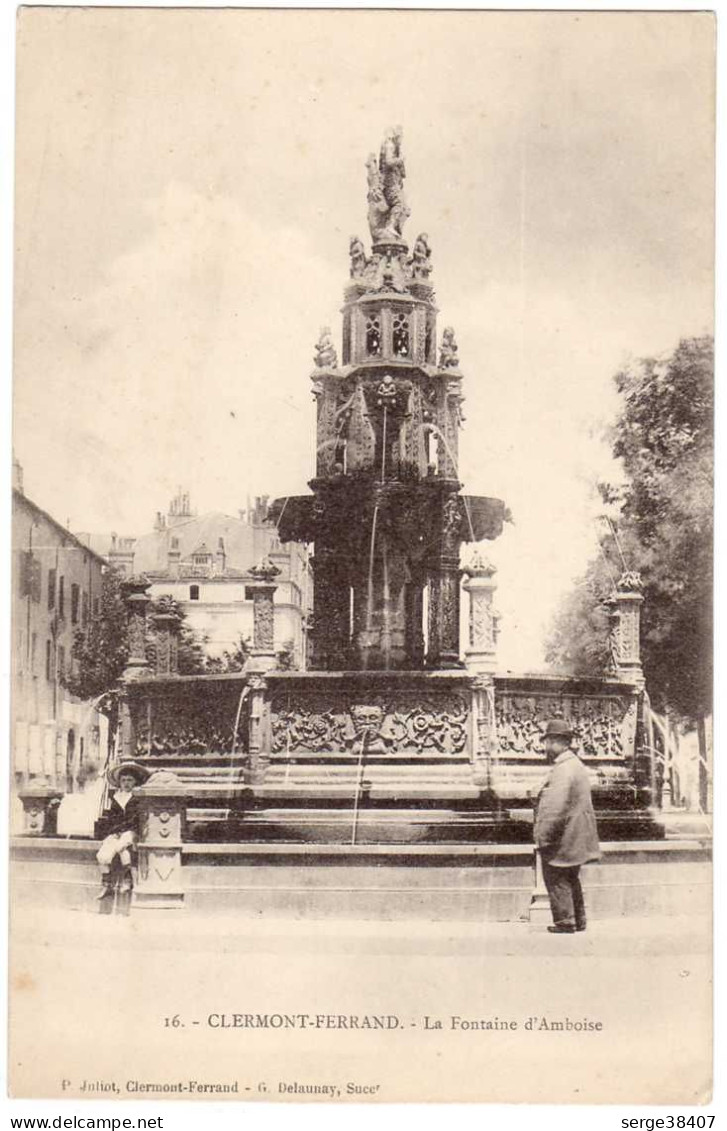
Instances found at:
x=558 y=728
x=139 y=772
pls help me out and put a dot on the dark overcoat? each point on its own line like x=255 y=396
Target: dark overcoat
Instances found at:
x=565 y=824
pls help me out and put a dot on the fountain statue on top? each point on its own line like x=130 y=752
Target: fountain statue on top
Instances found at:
x=388 y=210
x=386 y=514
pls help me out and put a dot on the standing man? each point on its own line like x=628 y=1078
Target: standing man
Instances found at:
x=565 y=829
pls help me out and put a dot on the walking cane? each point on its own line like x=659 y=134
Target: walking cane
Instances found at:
x=359 y=776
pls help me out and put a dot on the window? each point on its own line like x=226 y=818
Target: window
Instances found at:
x=36 y=580
x=61 y=597
x=61 y=661
x=400 y=339
x=33 y=650
x=51 y=588
x=29 y=576
x=84 y=610
x=373 y=335
x=75 y=594
x=48 y=660
x=194 y=592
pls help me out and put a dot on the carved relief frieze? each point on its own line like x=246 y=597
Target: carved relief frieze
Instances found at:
x=402 y=723
x=183 y=725
x=605 y=726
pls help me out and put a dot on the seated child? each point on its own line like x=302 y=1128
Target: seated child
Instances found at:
x=120 y=821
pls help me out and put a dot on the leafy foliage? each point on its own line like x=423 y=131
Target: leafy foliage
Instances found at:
x=233 y=661
x=286 y=657
x=100 y=653
x=664 y=524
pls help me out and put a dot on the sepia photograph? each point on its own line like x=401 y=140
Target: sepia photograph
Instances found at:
x=360 y=745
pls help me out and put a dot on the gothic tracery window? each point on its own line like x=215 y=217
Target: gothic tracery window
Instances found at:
x=400 y=337
x=373 y=335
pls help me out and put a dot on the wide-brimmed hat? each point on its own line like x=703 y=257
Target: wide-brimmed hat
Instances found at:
x=558 y=728
x=139 y=772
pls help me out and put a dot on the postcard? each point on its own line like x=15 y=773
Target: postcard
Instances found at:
x=361 y=736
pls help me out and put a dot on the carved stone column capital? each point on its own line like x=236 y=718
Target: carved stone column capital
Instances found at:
x=40 y=810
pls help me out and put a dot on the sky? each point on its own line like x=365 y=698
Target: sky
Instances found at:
x=186 y=185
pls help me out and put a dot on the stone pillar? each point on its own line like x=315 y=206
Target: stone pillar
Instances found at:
x=163 y=824
x=443 y=644
x=136 y=599
x=484 y=745
x=413 y=623
x=331 y=612
x=539 y=914
x=40 y=809
x=480 y=652
x=262 y=658
x=167 y=643
x=626 y=629
x=259 y=739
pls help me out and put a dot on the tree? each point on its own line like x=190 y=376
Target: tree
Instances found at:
x=100 y=653
x=233 y=661
x=664 y=526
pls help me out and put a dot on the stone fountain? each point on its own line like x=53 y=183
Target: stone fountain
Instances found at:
x=396 y=739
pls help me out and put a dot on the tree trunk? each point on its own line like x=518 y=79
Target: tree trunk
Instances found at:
x=704 y=774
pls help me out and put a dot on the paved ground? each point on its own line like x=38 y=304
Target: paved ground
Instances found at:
x=181 y=932
x=94 y=999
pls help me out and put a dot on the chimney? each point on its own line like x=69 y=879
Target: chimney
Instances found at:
x=174 y=556
x=220 y=556
x=121 y=554
x=179 y=508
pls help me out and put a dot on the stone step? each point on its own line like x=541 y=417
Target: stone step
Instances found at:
x=433 y=882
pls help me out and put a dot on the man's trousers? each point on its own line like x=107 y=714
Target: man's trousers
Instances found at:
x=566 y=895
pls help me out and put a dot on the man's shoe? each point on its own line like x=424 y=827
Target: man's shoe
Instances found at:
x=562 y=929
x=580 y=926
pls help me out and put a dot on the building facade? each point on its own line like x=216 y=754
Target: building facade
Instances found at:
x=204 y=563
x=56 y=587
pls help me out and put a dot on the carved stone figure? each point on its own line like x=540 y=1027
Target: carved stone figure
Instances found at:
x=420 y=262
x=386 y=392
x=358 y=258
x=388 y=209
x=393 y=172
x=325 y=355
x=367 y=722
x=448 y=354
x=378 y=207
